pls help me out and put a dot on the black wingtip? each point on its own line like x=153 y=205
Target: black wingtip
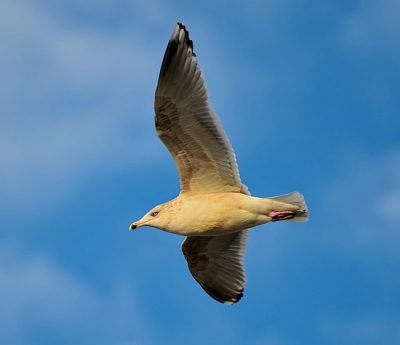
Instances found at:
x=186 y=37
x=222 y=296
x=179 y=36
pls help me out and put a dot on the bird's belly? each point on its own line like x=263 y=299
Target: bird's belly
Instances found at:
x=213 y=214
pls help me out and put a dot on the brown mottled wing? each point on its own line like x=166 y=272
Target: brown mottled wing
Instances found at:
x=187 y=124
x=216 y=262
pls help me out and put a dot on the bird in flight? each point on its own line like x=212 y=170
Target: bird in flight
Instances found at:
x=214 y=210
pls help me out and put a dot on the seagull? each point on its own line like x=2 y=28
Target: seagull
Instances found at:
x=214 y=210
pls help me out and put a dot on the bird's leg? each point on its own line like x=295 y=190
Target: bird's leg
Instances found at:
x=281 y=215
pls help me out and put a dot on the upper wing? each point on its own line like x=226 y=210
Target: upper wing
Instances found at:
x=187 y=124
x=216 y=262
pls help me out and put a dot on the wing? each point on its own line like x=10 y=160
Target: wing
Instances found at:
x=187 y=124
x=216 y=262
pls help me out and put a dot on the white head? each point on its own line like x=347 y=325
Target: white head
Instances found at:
x=155 y=218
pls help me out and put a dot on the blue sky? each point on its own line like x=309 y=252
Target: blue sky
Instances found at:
x=308 y=94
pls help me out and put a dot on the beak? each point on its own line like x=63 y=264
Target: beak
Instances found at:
x=135 y=225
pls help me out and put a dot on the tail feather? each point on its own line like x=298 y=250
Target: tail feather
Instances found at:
x=295 y=199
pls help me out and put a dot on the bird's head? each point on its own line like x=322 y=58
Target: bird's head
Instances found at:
x=152 y=218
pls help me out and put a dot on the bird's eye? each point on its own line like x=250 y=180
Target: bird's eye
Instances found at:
x=153 y=214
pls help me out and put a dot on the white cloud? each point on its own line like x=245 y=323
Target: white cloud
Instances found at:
x=371 y=328
x=43 y=161
x=390 y=205
x=68 y=95
x=46 y=53
x=363 y=206
x=40 y=297
x=389 y=201
x=370 y=32
x=265 y=13
x=373 y=26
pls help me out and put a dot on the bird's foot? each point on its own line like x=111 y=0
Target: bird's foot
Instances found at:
x=281 y=215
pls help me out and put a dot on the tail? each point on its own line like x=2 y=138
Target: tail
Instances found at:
x=295 y=199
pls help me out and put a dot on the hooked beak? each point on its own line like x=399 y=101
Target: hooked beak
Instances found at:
x=135 y=225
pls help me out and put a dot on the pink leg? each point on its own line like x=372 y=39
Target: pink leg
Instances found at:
x=281 y=215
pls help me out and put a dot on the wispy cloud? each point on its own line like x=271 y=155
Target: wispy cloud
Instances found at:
x=363 y=204
x=373 y=27
x=371 y=328
x=68 y=96
x=34 y=287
